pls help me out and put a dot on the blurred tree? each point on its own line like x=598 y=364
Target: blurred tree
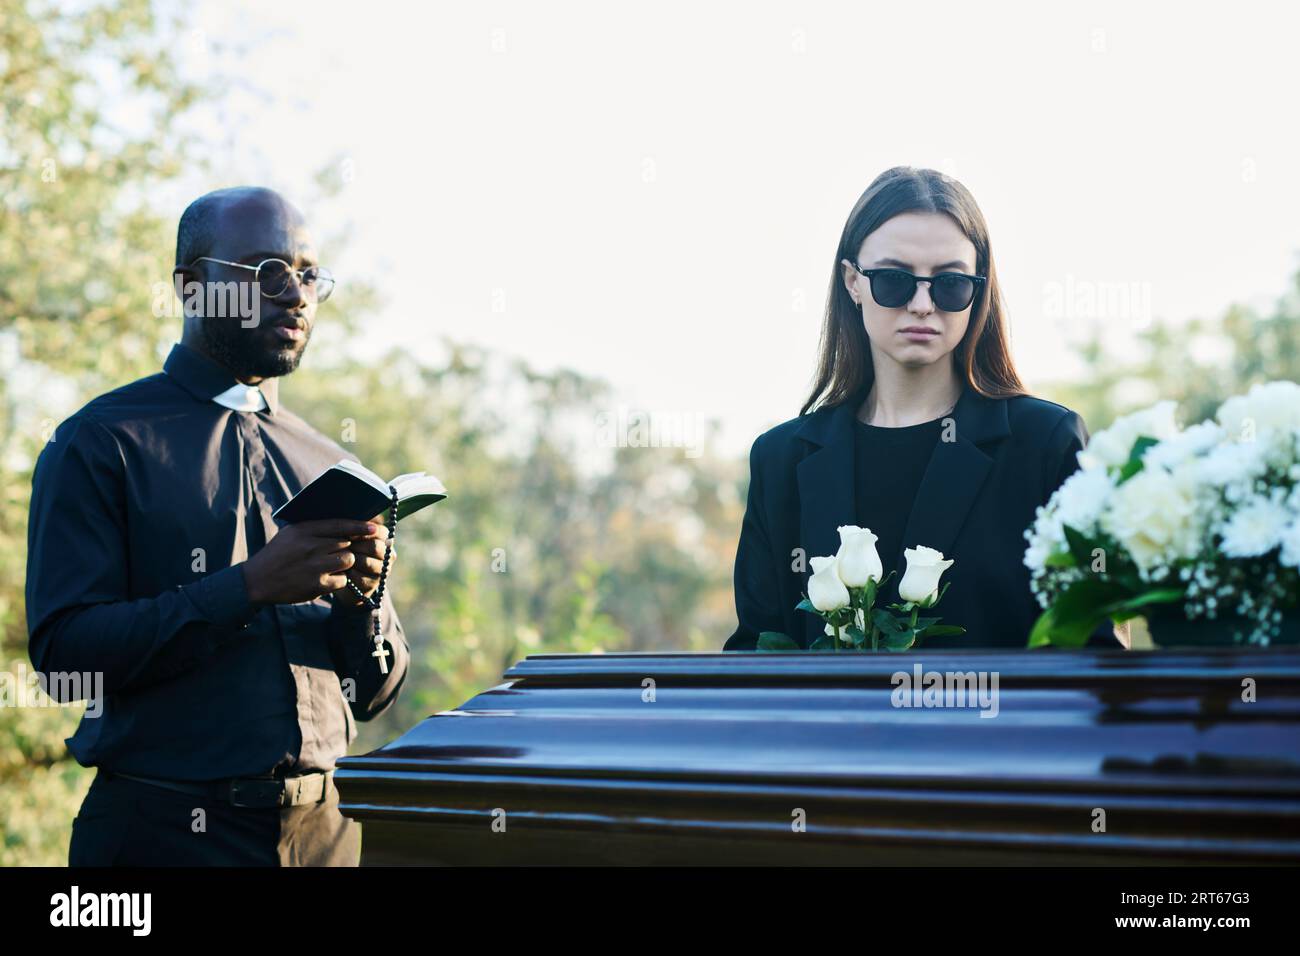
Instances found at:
x=82 y=101
x=552 y=540
x=549 y=541
x=81 y=250
x=1197 y=363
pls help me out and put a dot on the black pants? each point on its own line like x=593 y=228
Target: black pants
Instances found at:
x=128 y=823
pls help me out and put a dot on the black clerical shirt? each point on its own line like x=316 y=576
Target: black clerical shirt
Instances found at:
x=143 y=503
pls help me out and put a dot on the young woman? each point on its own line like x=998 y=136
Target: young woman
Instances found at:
x=917 y=428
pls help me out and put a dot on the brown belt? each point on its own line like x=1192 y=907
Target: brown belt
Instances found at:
x=258 y=792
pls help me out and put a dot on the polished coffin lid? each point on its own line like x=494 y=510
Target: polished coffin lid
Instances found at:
x=1086 y=756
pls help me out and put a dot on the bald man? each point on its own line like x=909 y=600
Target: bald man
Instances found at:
x=230 y=657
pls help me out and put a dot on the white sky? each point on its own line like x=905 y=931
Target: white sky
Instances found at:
x=649 y=192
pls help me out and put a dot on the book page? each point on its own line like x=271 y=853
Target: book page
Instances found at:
x=417 y=483
x=364 y=473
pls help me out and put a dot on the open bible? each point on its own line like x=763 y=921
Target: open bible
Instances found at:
x=350 y=490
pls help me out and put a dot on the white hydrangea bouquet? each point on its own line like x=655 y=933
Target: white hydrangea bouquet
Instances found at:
x=1181 y=525
x=843 y=589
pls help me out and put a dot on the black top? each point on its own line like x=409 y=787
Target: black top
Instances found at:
x=887 y=470
x=143 y=503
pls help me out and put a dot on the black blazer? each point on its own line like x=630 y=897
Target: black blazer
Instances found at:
x=976 y=498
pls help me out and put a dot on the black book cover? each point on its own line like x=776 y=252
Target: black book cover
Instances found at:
x=335 y=494
x=349 y=490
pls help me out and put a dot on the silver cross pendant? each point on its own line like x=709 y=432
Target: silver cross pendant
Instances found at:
x=381 y=652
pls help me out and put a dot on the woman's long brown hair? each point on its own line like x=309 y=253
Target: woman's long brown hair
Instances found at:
x=983 y=357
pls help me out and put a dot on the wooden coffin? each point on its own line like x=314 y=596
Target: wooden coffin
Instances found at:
x=1092 y=757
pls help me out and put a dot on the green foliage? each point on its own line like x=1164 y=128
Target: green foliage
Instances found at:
x=1170 y=362
x=1196 y=363
x=895 y=627
x=81 y=249
x=1088 y=602
x=82 y=102
x=1134 y=463
x=548 y=542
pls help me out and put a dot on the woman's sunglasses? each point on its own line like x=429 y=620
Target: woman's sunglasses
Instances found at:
x=894 y=288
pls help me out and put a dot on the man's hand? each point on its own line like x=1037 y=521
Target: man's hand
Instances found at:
x=305 y=560
x=364 y=573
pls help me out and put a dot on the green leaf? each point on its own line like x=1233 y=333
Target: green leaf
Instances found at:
x=823 y=643
x=1134 y=463
x=806 y=605
x=776 y=641
x=942 y=630
x=842 y=617
x=1040 y=635
x=1132 y=607
x=1075 y=613
x=887 y=622
x=857 y=635
x=1059 y=559
x=1084 y=605
x=1080 y=547
x=901 y=641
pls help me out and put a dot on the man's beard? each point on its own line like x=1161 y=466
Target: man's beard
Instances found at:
x=246 y=352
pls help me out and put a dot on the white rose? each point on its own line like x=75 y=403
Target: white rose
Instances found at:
x=1110 y=447
x=920 y=583
x=1154 y=517
x=825 y=589
x=857 y=560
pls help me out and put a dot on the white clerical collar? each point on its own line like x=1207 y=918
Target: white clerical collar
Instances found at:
x=242 y=398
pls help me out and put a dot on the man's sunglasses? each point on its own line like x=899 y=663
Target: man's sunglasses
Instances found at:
x=273 y=275
x=894 y=288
